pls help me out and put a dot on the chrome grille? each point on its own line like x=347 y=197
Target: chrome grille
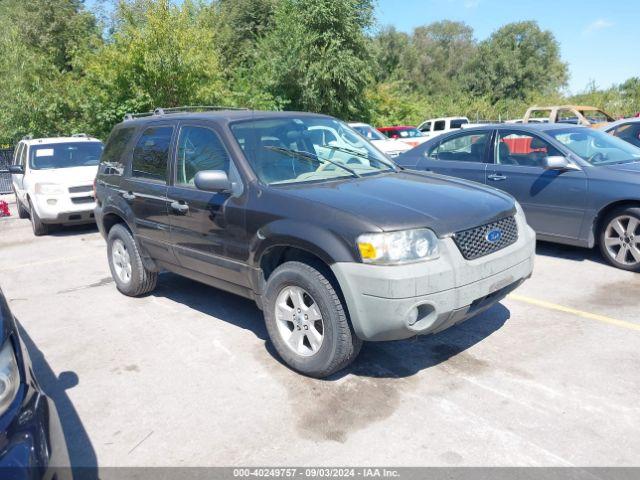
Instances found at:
x=474 y=243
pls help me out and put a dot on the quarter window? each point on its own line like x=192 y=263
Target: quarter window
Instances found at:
x=520 y=148
x=199 y=149
x=112 y=162
x=151 y=154
x=467 y=147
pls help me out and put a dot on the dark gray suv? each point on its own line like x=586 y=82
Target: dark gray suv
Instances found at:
x=577 y=185
x=300 y=213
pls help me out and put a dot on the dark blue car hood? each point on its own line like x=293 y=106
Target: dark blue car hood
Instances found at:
x=398 y=201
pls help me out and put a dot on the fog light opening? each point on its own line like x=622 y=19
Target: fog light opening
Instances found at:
x=420 y=316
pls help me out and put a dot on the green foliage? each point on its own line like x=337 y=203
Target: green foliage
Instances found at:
x=67 y=69
x=516 y=61
x=316 y=58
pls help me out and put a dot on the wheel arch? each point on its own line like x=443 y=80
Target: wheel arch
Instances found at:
x=606 y=210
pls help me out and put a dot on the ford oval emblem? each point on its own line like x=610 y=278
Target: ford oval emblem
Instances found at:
x=494 y=235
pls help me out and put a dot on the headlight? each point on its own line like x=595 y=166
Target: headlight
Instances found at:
x=398 y=247
x=49 y=189
x=9 y=376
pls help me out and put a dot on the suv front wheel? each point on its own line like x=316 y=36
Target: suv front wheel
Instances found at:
x=127 y=269
x=307 y=322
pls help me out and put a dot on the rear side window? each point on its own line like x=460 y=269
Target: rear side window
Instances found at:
x=439 y=125
x=457 y=123
x=112 y=160
x=468 y=147
x=151 y=154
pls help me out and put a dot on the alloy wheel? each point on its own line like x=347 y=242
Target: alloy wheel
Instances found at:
x=622 y=240
x=299 y=321
x=121 y=260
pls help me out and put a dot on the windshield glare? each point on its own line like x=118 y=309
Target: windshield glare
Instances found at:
x=65 y=155
x=368 y=132
x=270 y=146
x=596 y=147
x=410 y=133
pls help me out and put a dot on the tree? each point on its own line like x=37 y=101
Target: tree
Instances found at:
x=316 y=58
x=239 y=24
x=388 y=48
x=437 y=55
x=516 y=61
x=161 y=55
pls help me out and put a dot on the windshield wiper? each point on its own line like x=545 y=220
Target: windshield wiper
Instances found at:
x=310 y=156
x=361 y=155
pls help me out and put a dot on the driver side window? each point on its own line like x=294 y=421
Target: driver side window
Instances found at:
x=522 y=149
x=199 y=149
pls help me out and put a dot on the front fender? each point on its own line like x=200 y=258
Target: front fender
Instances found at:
x=321 y=242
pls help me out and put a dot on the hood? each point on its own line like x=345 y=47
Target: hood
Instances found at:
x=66 y=176
x=388 y=146
x=398 y=201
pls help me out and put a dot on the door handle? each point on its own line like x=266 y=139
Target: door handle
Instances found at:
x=180 y=208
x=496 y=177
x=128 y=196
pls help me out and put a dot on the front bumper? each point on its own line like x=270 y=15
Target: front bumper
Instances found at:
x=382 y=300
x=65 y=209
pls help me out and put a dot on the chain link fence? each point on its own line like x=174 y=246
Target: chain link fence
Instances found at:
x=6 y=156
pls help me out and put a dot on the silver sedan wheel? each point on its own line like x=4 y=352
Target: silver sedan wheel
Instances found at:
x=622 y=240
x=121 y=260
x=299 y=321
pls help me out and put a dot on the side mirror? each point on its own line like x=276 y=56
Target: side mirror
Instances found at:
x=557 y=162
x=212 y=181
x=16 y=169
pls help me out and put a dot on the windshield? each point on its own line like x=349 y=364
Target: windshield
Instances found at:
x=368 y=132
x=306 y=149
x=65 y=155
x=596 y=147
x=409 y=133
x=596 y=116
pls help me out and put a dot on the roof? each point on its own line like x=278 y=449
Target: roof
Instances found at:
x=608 y=126
x=536 y=126
x=220 y=115
x=396 y=127
x=575 y=107
x=445 y=118
x=50 y=140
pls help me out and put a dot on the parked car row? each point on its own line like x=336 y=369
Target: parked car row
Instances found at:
x=306 y=216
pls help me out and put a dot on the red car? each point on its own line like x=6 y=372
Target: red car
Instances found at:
x=404 y=133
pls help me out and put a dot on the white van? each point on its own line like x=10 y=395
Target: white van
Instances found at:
x=53 y=180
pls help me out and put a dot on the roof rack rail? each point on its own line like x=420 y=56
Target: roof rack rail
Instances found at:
x=79 y=135
x=27 y=137
x=167 y=111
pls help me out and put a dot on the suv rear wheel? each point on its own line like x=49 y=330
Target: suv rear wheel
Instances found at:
x=38 y=227
x=125 y=263
x=22 y=212
x=620 y=238
x=307 y=322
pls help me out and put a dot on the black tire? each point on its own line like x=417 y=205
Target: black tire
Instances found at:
x=630 y=239
x=38 y=227
x=340 y=346
x=22 y=212
x=142 y=280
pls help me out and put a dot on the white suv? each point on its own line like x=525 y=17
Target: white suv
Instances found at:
x=53 y=180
